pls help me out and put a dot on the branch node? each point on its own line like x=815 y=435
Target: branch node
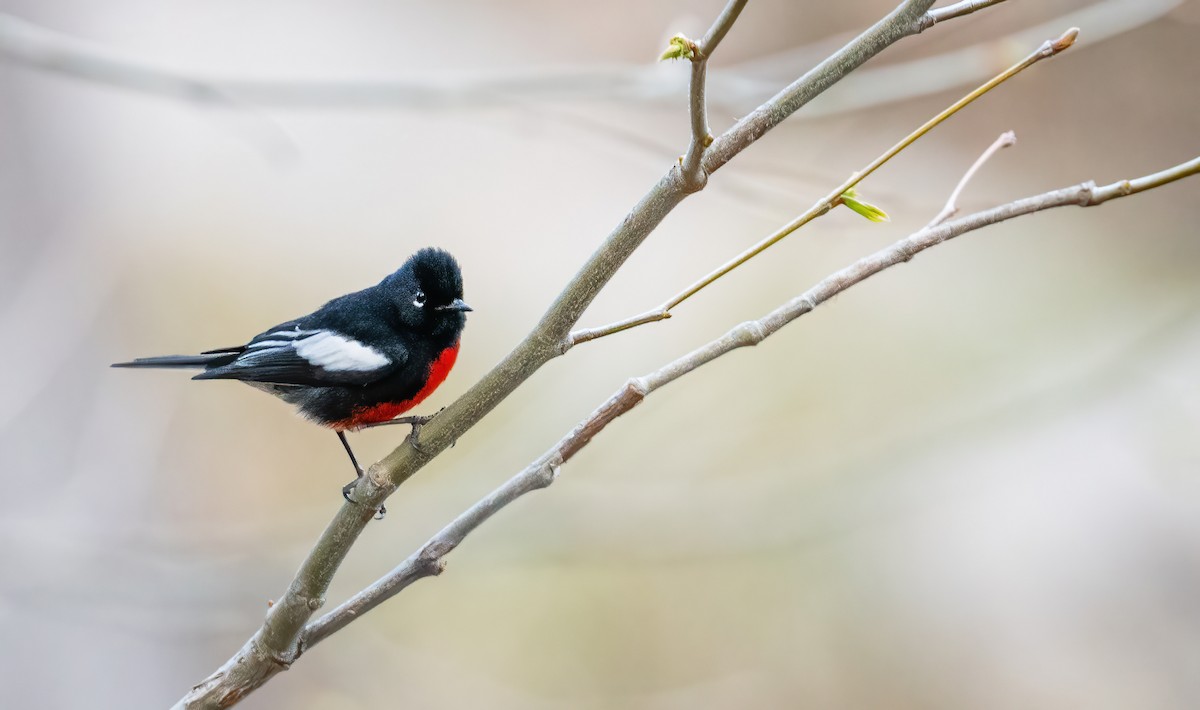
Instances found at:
x=279 y=659
x=1087 y=193
x=749 y=333
x=431 y=560
x=638 y=387
x=692 y=180
x=548 y=472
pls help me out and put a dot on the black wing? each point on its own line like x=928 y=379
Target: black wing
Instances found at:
x=291 y=355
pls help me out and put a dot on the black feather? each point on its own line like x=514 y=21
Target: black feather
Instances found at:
x=215 y=359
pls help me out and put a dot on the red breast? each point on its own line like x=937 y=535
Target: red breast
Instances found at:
x=386 y=411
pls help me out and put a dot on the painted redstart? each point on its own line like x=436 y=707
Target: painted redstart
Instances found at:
x=360 y=360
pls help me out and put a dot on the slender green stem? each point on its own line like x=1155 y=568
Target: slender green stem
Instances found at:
x=1048 y=49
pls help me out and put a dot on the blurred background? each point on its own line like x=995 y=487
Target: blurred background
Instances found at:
x=973 y=481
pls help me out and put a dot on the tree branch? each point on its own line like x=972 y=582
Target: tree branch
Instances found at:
x=694 y=176
x=1048 y=49
x=1005 y=140
x=430 y=559
x=276 y=644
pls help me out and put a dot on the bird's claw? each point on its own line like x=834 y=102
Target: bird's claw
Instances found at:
x=347 y=489
x=412 y=439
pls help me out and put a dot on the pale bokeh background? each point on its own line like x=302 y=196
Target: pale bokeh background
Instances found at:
x=971 y=482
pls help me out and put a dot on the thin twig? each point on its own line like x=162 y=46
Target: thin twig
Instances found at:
x=958 y=9
x=429 y=560
x=694 y=176
x=1005 y=140
x=1048 y=49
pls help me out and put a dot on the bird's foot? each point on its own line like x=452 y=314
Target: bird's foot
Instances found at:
x=414 y=433
x=416 y=422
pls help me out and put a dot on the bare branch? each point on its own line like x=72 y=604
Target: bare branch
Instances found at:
x=1005 y=140
x=1049 y=48
x=429 y=560
x=694 y=176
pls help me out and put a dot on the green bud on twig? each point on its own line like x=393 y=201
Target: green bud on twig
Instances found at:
x=866 y=209
x=679 y=47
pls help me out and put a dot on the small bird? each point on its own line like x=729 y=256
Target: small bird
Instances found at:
x=360 y=360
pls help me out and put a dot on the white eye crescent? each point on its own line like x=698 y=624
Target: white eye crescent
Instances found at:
x=419 y=299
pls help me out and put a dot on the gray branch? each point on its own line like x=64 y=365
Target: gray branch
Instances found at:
x=430 y=559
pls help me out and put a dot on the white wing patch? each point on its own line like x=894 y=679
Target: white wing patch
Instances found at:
x=338 y=353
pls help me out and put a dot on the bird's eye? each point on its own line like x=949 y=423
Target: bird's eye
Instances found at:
x=419 y=299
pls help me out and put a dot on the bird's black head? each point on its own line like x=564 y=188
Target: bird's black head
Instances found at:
x=427 y=293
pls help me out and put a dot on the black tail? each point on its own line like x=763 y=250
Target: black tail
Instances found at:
x=181 y=361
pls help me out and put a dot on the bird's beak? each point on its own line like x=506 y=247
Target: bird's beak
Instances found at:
x=455 y=305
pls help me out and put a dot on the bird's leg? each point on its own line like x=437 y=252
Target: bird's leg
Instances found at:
x=350 y=452
x=346 y=489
